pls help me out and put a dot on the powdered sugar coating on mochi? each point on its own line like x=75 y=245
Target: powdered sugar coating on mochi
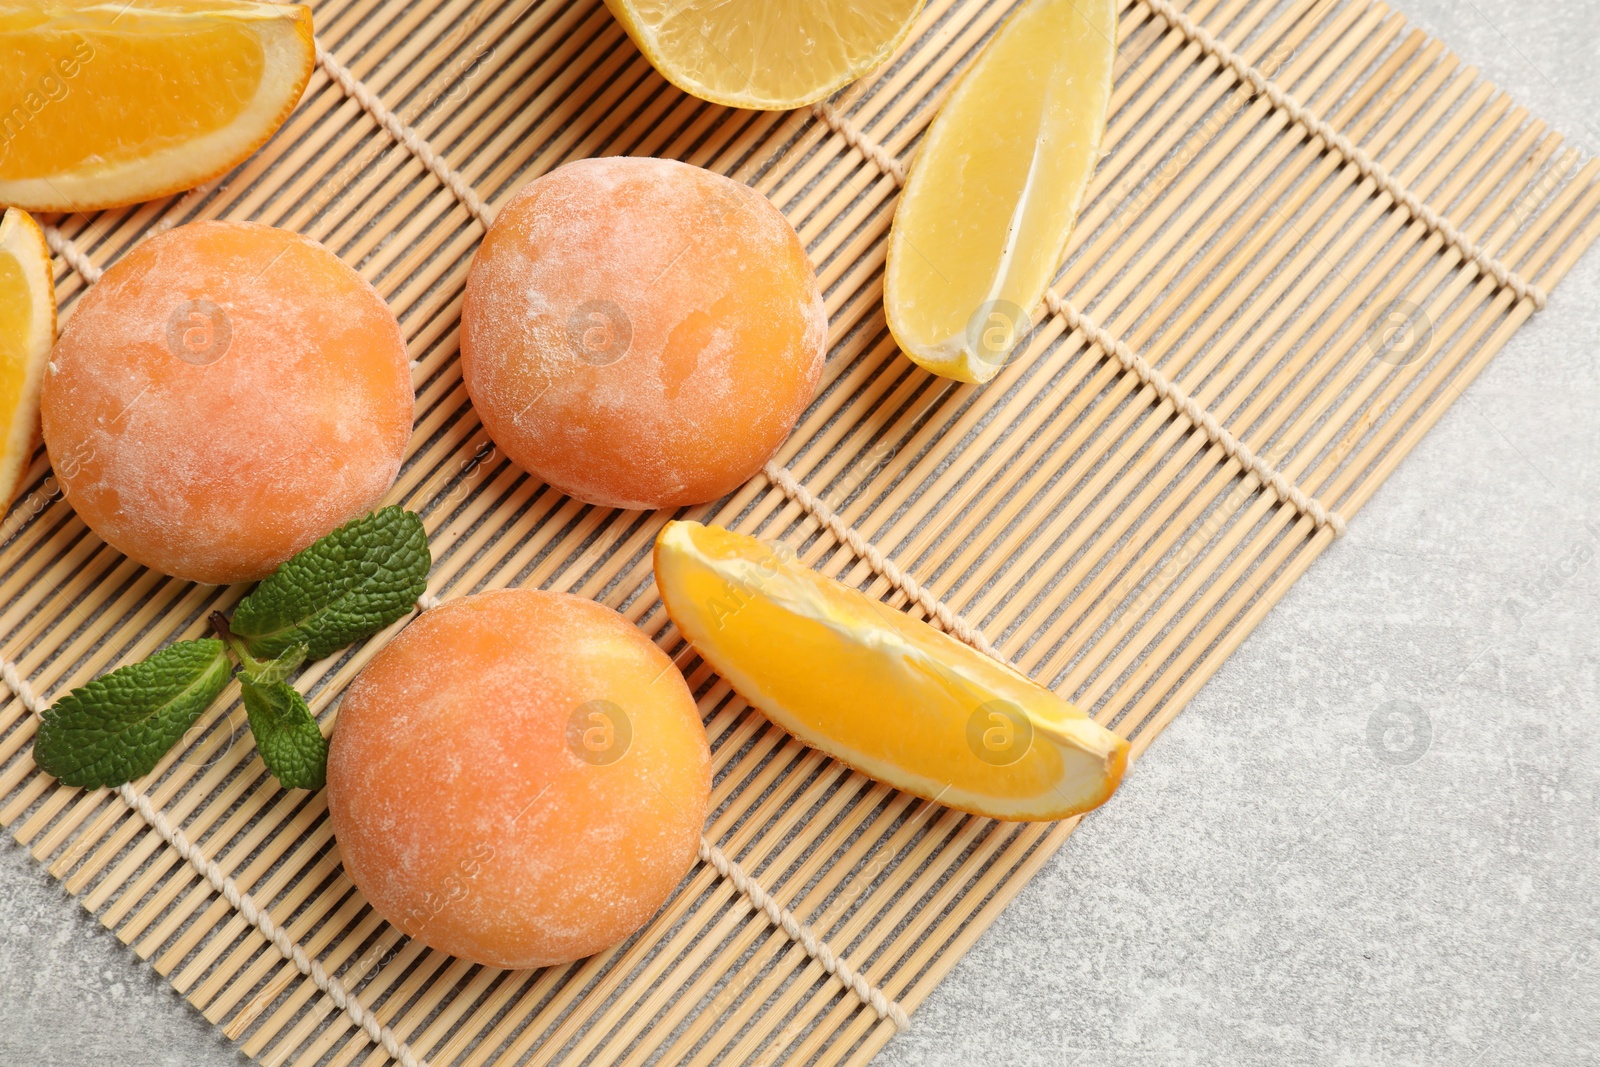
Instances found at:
x=465 y=813
x=225 y=395
x=712 y=309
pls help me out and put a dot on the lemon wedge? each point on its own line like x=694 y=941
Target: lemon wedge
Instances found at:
x=878 y=690
x=113 y=102
x=27 y=333
x=983 y=221
x=771 y=55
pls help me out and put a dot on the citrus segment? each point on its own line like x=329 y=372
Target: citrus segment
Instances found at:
x=878 y=690
x=984 y=219
x=111 y=103
x=27 y=330
x=767 y=54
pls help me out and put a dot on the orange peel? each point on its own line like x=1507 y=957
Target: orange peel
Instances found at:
x=877 y=689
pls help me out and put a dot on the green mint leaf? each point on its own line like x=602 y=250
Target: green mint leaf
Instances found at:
x=287 y=736
x=118 y=727
x=349 y=585
x=274 y=670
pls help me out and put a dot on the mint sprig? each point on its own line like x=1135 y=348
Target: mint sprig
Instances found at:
x=287 y=736
x=118 y=727
x=344 y=588
x=349 y=585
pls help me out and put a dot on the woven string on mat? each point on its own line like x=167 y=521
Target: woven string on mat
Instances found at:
x=1163 y=388
x=1369 y=167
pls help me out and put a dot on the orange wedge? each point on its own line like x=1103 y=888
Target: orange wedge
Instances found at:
x=878 y=690
x=114 y=102
x=27 y=332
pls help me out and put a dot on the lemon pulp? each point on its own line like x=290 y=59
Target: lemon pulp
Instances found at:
x=767 y=54
x=993 y=193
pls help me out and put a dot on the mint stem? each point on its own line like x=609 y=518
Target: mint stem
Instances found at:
x=236 y=645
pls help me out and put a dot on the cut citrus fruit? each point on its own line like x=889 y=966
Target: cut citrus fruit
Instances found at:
x=27 y=330
x=986 y=212
x=878 y=690
x=113 y=102
x=766 y=54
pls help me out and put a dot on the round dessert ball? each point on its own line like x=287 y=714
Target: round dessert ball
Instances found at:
x=225 y=395
x=640 y=333
x=519 y=779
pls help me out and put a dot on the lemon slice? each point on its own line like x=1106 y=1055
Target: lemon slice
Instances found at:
x=114 y=102
x=984 y=219
x=766 y=54
x=27 y=332
x=878 y=690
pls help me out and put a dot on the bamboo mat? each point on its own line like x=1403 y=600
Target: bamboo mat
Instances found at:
x=1107 y=544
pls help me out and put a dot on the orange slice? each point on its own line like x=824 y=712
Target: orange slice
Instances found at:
x=114 y=102
x=878 y=690
x=27 y=330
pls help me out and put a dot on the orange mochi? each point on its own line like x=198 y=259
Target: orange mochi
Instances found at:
x=520 y=778
x=640 y=333
x=225 y=395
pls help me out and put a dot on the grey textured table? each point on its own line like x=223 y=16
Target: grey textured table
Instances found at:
x=1373 y=838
